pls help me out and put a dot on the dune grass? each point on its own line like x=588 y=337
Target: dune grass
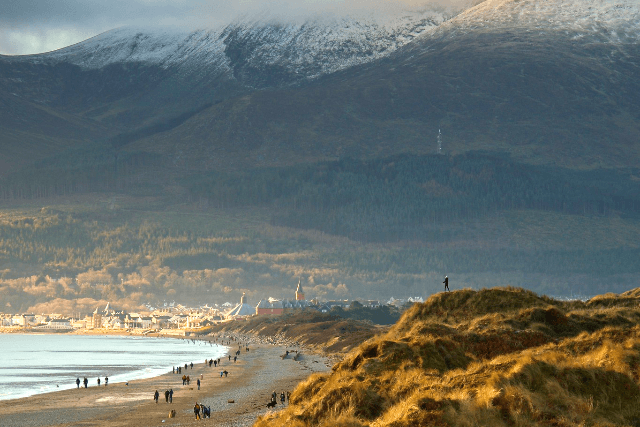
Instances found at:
x=500 y=357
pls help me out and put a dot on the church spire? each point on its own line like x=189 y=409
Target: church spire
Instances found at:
x=299 y=292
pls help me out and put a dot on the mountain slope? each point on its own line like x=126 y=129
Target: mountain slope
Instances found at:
x=547 y=81
x=303 y=49
x=520 y=77
x=33 y=131
x=253 y=53
x=129 y=81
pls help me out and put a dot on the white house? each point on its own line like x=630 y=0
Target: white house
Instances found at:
x=59 y=324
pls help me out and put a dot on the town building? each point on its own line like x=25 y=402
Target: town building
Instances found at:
x=59 y=324
x=269 y=306
x=299 y=292
x=96 y=320
x=241 y=310
x=277 y=307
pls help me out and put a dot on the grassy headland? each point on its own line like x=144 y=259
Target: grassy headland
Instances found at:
x=500 y=356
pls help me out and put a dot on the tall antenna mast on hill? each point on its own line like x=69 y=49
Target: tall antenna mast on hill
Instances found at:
x=439 y=142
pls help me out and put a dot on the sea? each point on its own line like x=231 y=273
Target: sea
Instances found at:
x=40 y=363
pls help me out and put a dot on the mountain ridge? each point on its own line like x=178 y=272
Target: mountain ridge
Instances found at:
x=548 y=82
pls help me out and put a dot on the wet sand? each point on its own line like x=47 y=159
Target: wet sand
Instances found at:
x=250 y=382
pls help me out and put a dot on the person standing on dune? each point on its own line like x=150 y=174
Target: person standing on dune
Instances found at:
x=446 y=283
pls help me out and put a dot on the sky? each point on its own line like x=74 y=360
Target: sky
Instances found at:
x=36 y=26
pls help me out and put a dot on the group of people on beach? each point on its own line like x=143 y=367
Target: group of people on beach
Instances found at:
x=283 y=396
x=168 y=396
x=214 y=362
x=178 y=369
x=200 y=407
x=85 y=381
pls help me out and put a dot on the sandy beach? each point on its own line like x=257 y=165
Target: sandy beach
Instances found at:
x=250 y=382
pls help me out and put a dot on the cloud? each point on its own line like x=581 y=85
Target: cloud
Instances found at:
x=35 y=26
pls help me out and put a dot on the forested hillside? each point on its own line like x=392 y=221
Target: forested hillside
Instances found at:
x=412 y=197
x=349 y=228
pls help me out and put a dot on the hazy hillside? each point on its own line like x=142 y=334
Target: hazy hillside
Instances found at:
x=500 y=356
x=240 y=158
x=73 y=256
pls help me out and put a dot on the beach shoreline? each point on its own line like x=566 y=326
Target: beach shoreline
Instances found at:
x=55 y=373
x=249 y=384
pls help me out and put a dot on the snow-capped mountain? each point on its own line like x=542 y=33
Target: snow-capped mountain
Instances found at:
x=595 y=21
x=304 y=49
x=548 y=80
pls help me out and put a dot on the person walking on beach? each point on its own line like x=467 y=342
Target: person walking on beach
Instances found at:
x=85 y=381
x=166 y=396
x=196 y=410
x=171 y=396
x=98 y=381
x=191 y=365
x=446 y=283
x=198 y=383
x=226 y=373
x=156 y=395
x=184 y=379
x=221 y=374
x=78 y=382
x=106 y=381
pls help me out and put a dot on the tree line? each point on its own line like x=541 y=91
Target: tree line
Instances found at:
x=412 y=197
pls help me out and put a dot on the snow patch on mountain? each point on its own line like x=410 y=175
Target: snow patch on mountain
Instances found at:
x=600 y=21
x=308 y=48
